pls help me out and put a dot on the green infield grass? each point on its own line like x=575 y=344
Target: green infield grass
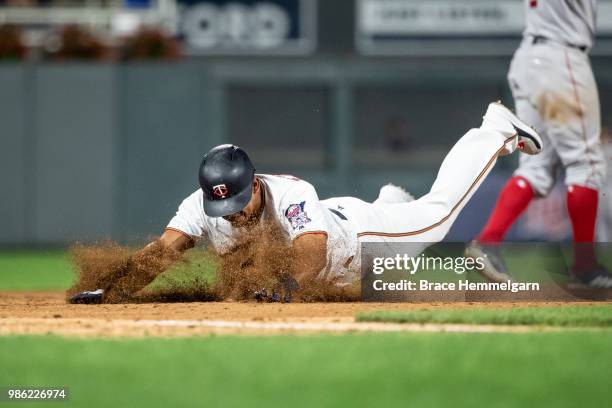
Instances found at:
x=35 y=270
x=573 y=316
x=563 y=369
x=53 y=270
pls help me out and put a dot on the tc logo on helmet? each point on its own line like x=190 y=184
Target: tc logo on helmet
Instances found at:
x=220 y=190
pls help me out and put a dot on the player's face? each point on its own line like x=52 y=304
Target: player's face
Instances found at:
x=249 y=214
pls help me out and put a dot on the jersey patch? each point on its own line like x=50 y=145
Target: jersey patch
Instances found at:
x=297 y=216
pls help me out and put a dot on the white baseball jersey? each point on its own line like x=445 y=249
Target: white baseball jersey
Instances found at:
x=290 y=203
x=570 y=22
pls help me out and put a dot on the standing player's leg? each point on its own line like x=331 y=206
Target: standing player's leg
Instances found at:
x=579 y=148
x=535 y=175
x=428 y=219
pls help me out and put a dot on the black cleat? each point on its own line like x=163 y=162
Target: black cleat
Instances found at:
x=597 y=278
x=88 y=297
x=495 y=269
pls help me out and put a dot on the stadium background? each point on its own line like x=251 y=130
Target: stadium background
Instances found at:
x=333 y=92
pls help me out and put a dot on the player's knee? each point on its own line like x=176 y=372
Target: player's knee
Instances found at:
x=393 y=194
x=541 y=184
x=585 y=176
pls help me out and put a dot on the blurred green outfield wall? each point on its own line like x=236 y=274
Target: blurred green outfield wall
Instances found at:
x=95 y=151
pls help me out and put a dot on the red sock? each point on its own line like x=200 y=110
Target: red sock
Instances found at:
x=582 y=208
x=512 y=201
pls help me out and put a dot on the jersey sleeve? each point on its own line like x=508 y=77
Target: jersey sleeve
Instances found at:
x=302 y=212
x=189 y=218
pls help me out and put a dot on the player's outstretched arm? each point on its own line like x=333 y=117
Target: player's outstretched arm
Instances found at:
x=310 y=252
x=125 y=281
x=176 y=240
x=146 y=264
x=158 y=256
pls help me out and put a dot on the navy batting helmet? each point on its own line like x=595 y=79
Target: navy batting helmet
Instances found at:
x=226 y=178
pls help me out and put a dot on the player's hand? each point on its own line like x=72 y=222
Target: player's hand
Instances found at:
x=264 y=296
x=288 y=286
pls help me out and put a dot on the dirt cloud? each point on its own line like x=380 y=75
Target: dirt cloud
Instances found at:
x=263 y=260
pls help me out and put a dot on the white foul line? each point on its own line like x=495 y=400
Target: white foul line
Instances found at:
x=328 y=326
x=101 y=326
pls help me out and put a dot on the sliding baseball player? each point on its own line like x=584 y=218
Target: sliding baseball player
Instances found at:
x=325 y=235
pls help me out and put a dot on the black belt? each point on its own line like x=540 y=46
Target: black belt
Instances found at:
x=539 y=39
x=338 y=214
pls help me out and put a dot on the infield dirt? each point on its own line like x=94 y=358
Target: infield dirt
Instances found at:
x=48 y=313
